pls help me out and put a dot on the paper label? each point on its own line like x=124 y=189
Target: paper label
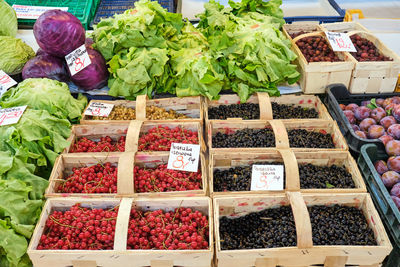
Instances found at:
x=99 y=109
x=5 y=82
x=267 y=177
x=340 y=42
x=184 y=157
x=33 y=12
x=11 y=115
x=77 y=60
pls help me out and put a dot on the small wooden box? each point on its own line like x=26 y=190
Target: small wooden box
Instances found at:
x=343 y=27
x=306 y=27
x=126 y=103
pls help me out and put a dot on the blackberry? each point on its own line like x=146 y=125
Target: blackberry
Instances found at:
x=245 y=138
x=313 y=176
x=309 y=139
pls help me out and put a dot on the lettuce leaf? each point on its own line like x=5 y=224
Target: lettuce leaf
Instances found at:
x=8 y=20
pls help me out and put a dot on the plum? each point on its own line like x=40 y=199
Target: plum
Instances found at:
x=396 y=100
x=387 y=121
x=394 y=131
x=395 y=190
x=351 y=107
x=386 y=102
x=375 y=131
x=366 y=123
x=362 y=113
x=350 y=116
x=379 y=101
x=393 y=163
x=381 y=167
x=390 y=178
x=342 y=106
x=393 y=148
x=361 y=134
x=396 y=112
x=385 y=138
x=355 y=127
x=396 y=201
x=365 y=103
x=378 y=113
x=389 y=108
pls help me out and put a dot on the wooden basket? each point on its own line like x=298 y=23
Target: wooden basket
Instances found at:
x=315 y=76
x=374 y=76
x=120 y=256
x=280 y=130
x=298 y=27
x=290 y=160
x=343 y=27
x=305 y=254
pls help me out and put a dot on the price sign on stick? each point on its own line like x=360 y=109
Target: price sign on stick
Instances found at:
x=99 y=109
x=5 y=82
x=267 y=177
x=340 y=42
x=184 y=157
x=77 y=60
x=11 y=115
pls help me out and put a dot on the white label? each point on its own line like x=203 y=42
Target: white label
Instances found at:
x=267 y=177
x=184 y=157
x=5 y=82
x=99 y=109
x=33 y=12
x=11 y=115
x=340 y=42
x=77 y=60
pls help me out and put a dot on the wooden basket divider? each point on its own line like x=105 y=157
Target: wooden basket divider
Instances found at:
x=125 y=185
x=132 y=137
x=122 y=224
x=141 y=107
x=292 y=182
x=280 y=133
x=264 y=103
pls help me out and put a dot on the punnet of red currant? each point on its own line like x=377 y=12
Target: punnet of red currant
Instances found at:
x=104 y=144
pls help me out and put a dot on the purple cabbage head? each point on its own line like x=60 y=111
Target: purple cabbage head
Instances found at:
x=46 y=66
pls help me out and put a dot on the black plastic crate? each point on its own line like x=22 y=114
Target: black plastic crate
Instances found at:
x=338 y=94
x=321 y=19
x=388 y=211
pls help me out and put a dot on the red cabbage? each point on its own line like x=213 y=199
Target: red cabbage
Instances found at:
x=46 y=66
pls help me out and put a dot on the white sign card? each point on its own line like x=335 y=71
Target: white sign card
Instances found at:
x=5 y=82
x=77 y=60
x=33 y=12
x=99 y=109
x=11 y=115
x=340 y=42
x=184 y=157
x=267 y=177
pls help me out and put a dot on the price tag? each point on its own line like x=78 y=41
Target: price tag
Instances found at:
x=33 y=12
x=5 y=82
x=11 y=115
x=99 y=109
x=77 y=60
x=267 y=177
x=184 y=157
x=340 y=42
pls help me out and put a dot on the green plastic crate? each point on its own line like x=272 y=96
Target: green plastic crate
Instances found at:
x=84 y=10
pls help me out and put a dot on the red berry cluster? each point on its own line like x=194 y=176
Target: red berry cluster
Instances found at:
x=366 y=50
x=160 y=138
x=106 y=144
x=317 y=49
x=161 y=179
x=100 y=178
x=80 y=228
x=181 y=229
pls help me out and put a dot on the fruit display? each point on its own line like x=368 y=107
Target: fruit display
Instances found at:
x=105 y=144
x=180 y=229
x=269 y=228
x=79 y=228
x=313 y=176
x=310 y=139
x=99 y=178
x=366 y=50
x=160 y=138
x=245 y=138
x=340 y=225
x=389 y=171
x=119 y=112
x=317 y=49
x=161 y=179
x=157 y=113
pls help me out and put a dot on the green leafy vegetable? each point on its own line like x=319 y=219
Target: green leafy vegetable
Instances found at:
x=14 y=53
x=328 y=185
x=8 y=20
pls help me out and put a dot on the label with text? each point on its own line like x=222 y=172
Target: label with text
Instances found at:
x=5 y=82
x=77 y=60
x=33 y=12
x=340 y=42
x=267 y=177
x=11 y=115
x=99 y=109
x=184 y=157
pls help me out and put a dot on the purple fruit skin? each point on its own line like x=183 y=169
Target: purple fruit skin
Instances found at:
x=379 y=101
x=394 y=131
x=350 y=116
x=387 y=121
x=375 y=131
x=387 y=102
x=365 y=103
x=396 y=201
x=395 y=190
x=393 y=163
x=396 y=100
x=378 y=113
x=385 y=138
x=362 y=113
x=390 y=178
x=381 y=167
x=396 y=112
x=389 y=108
x=355 y=127
x=366 y=123
x=393 y=148
x=361 y=134
x=351 y=107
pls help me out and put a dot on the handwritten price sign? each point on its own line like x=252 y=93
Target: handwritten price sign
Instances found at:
x=33 y=12
x=184 y=157
x=267 y=177
x=11 y=115
x=99 y=109
x=77 y=60
x=340 y=41
x=5 y=82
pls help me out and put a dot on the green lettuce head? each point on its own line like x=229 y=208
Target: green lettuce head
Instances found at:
x=8 y=20
x=14 y=53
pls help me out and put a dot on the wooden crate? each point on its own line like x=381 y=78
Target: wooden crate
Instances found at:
x=280 y=128
x=307 y=27
x=290 y=160
x=64 y=164
x=374 y=76
x=343 y=27
x=315 y=76
x=151 y=161
x=120 y=256
x=305 y=253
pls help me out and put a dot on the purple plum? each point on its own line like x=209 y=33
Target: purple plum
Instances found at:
x=390 y=178
x=381 y=167
x=375 y=131
x=395 y=190
x=386 y=102
x=378 y=113
x=355 y=127
x=393 y=148
x=351 y=107
x=393 y=163
x=365 y=103
x=387 y=121
x=385 y=138
x=361 y=134
x=362 y=113
x=366 y=123
x=389 y=108
x=396 y=112
x=396 y=100
x=350 y=116
x=379 y=101
x=396 y=201
x=394 y=131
